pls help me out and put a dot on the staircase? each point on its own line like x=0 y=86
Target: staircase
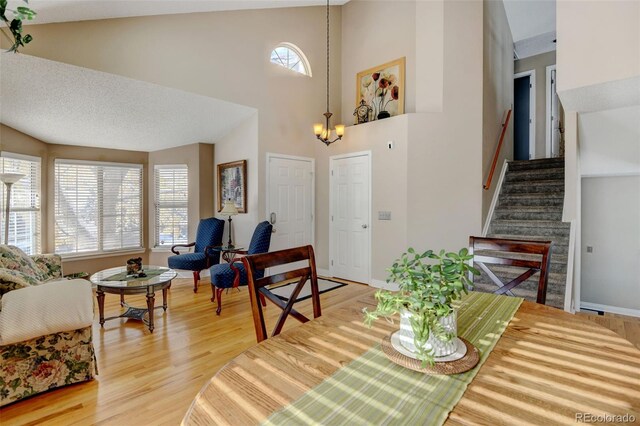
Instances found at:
x=530 y=208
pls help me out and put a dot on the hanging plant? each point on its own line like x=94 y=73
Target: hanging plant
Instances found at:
x=21 y=13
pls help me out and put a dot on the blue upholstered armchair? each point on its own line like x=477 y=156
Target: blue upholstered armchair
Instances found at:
x=209 y=235
x=222 y=275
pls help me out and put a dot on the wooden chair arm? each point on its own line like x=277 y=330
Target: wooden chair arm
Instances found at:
x=173 y=248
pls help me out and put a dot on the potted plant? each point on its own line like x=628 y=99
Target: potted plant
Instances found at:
x=429 y=282
x=14 y=25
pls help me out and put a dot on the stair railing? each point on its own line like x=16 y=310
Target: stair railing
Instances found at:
x=487 y=185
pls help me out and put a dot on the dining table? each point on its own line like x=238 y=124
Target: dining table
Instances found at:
x=547 y=367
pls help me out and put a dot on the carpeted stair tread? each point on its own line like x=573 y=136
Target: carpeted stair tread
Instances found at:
x=536 y=164
x=526 y=199
x=529 y=207
x=535 y=175
x=534 y=187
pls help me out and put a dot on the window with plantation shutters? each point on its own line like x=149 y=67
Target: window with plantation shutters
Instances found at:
x=171 y=205
x=25 y=216
x=98 y=207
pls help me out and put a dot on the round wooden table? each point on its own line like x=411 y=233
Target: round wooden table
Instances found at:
x=549 y=367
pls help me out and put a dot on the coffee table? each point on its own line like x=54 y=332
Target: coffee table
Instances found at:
x=115 y=281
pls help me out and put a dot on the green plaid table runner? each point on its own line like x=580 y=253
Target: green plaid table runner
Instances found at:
x=122 y=276
x=372 y=390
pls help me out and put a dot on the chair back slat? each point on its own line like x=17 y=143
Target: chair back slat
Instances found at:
x=502 y=253
x=254 y=264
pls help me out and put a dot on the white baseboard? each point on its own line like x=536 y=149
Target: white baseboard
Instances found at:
x=384 y=285
x=610 y=309
x=323 y=272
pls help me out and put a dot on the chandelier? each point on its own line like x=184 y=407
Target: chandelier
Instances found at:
x=323 y=131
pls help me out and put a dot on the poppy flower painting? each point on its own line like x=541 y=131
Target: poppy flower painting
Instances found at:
x=382 y=89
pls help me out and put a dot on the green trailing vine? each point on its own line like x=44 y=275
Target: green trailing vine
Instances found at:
x=21 y=13
x=428 y=283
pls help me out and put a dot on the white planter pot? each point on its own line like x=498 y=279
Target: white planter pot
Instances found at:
x=439 y=347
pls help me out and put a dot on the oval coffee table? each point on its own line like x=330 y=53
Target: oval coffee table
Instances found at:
x=116 y=281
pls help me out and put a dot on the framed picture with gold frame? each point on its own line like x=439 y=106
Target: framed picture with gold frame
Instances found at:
x=382 y=89
x=232 y=184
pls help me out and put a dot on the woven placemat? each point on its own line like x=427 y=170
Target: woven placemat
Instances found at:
x=461 y=365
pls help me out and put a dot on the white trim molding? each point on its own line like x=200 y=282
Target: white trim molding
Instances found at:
x=532 y=109
x=548 y=137
x=611 y=309
x=494 y=200
x=384 y=285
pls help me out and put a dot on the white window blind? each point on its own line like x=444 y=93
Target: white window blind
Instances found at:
x=24 y=219
x=171 y=205
x=98 y=207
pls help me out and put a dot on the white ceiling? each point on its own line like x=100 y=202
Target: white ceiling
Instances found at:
x=530 y=18
x=65 y=104
x=533 y=26
x=82 y=10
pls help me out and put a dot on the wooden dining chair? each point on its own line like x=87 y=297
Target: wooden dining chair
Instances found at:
x=534 y=256
x=256 y=264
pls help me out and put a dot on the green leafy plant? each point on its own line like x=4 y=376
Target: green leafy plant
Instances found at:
x=21 y=13
x=428 y=283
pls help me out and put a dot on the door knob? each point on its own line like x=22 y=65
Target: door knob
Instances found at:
x=364 y=226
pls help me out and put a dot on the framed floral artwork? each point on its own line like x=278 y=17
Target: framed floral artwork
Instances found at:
x=232 y=184
x=382 y=89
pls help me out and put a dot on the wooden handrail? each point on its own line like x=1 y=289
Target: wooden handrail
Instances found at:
x=487 y=185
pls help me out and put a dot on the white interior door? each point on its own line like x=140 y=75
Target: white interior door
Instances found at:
x=350 y=217
x=290 y=202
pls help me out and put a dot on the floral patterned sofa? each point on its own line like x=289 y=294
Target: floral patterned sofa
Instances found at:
x=45 y=326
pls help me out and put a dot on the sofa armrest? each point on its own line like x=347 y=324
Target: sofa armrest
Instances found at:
x=49 y=264
x=52 y=307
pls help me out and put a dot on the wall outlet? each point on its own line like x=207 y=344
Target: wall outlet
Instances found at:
x=384 y=215
x=589 y=249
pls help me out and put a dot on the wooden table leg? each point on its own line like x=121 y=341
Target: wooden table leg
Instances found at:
x=164 y=298
x=100 y=295
x=151 y=298
x=122 y=299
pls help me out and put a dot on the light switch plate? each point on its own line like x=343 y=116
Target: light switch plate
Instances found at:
x=382 y=215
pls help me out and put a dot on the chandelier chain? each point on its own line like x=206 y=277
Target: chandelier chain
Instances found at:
x=327 y=55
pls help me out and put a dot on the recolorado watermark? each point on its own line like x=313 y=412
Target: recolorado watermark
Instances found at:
x=605 y=418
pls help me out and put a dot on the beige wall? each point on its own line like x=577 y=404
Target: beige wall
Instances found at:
x=373 y=34
x=445 y=149
x=242 y=144
x=598 y=42
x=497 y=93
x=539 y=63
x=431 y=180
x=611 y=225
x=224 y=55
x=199 y=160
x=389 y=174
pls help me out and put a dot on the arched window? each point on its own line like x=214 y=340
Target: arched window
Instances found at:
x=290 y=56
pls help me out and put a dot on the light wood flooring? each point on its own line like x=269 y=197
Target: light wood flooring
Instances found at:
x=151 y=379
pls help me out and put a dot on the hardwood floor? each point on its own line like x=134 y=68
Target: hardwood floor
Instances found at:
x=625 y=326
x=151 y=379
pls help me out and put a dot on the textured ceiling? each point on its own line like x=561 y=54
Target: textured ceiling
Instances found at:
x=82 y=10
x=65 y=104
